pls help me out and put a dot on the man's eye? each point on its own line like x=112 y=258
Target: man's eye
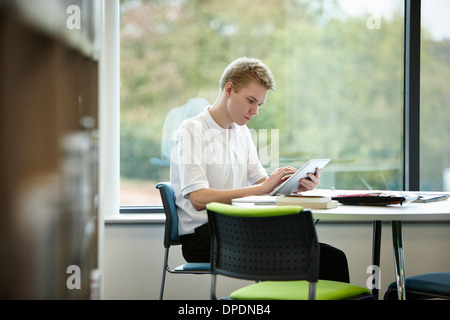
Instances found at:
x=250 y=100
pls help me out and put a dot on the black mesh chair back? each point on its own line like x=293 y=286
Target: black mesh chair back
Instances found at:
x=267 y=248
x=251 y=246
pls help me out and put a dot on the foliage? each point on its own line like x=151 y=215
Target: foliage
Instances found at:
x=339 y=83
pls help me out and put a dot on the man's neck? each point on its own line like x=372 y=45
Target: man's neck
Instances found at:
x=219 y=113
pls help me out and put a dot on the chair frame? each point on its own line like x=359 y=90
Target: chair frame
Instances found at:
x=171 y=238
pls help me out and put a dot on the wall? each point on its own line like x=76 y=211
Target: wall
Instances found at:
x=133 y=257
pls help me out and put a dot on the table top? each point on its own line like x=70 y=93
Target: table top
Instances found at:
x=433 y=211
x=410 y=211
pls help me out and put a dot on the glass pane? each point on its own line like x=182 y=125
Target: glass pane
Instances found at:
x=435 y=96
x=338 y=67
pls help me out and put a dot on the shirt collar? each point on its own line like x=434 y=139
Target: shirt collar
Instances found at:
x=213 y=125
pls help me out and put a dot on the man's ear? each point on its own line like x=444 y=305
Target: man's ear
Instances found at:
x=228 y=87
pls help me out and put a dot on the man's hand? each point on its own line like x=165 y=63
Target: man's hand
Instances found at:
x=277 y=177
x=310 y=183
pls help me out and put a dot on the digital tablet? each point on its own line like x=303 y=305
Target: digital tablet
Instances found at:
x=291 y=184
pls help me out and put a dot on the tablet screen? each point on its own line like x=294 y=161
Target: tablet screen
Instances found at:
x=291 y=184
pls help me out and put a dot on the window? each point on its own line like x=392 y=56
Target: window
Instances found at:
x=338 y=67
x=435 y=96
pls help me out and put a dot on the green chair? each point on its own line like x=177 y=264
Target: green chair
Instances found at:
x=275 y=246
x=171 y=238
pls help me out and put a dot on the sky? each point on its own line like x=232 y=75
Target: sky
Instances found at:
x=435 y=18
x=434 y=13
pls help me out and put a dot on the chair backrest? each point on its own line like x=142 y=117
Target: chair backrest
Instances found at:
x=263 y=243
x=170 y=210
x=173 y=120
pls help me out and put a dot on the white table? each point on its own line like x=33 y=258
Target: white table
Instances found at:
x=396 y=214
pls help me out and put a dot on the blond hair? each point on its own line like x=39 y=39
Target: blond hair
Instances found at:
x=244 y=70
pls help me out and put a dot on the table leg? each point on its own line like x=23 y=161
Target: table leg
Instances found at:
x=376 y=248
x=399 y=260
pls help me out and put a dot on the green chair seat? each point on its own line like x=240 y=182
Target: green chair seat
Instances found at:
x=298 y=290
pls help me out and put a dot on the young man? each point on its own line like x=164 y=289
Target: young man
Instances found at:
x=214 y=159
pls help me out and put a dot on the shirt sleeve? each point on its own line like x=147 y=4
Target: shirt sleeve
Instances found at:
x=189 y=157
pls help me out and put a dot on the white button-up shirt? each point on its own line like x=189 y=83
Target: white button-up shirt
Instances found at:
x=205 y=155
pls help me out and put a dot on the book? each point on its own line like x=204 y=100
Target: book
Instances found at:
x=260 y=200
x=295 y=198
x=291 y=201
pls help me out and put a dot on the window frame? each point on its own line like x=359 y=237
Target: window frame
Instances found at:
x=411 y=96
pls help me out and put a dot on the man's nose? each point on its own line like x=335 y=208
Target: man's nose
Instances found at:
x=254 y=110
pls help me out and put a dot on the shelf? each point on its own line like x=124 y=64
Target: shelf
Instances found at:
x=54 y=18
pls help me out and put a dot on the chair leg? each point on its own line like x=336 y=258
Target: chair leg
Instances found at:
x=163 y=278
x=213 y=288
x=312 y=291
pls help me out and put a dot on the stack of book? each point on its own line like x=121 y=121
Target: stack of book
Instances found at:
x=307 y=201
